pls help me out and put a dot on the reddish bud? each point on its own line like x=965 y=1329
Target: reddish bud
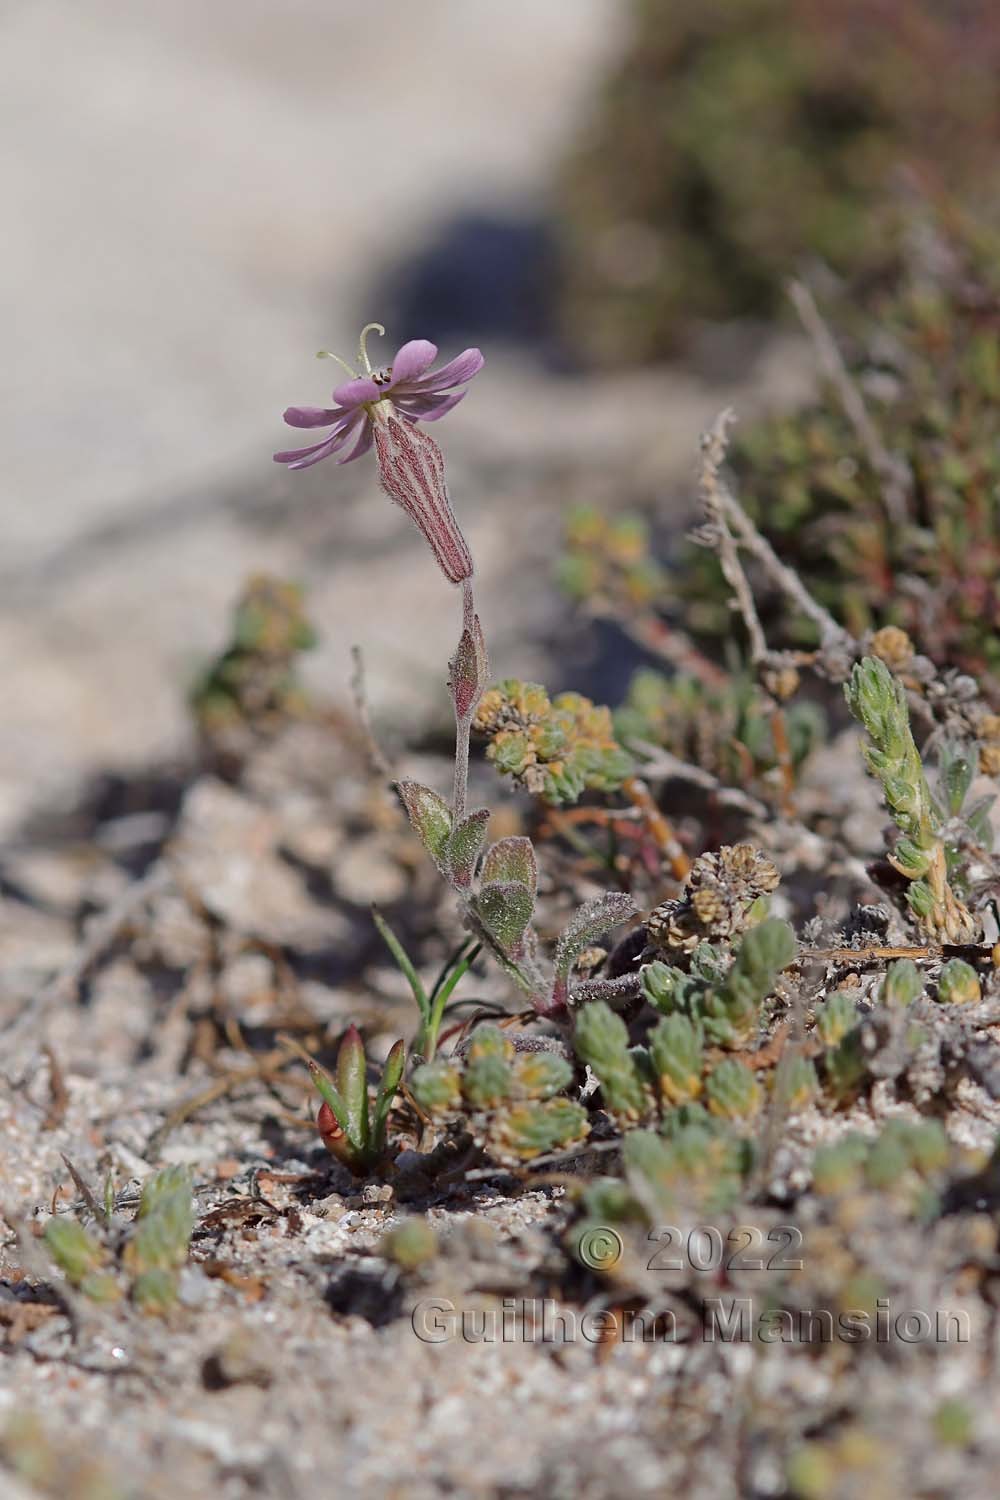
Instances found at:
x=330 y=1131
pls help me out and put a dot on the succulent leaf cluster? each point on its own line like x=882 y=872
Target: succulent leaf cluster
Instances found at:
x=351 y=1124
x=712 y=1004
x=877 y=699
x=513 y=1102
x=556 y=748
x=695 y=1157
x=726 y=729
x=904 y=1156
x=146 y=1261
x=725 y=999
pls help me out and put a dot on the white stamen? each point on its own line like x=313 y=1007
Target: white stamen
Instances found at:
x=363 y=344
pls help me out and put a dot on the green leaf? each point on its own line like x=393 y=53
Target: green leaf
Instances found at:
x=430 y=817
x=529 y=1130
x=511 y=860
x=505 y=911
x=487 y=1081
x=352 y=1082
x=435 y=1086
x=958 y=770
x=589 y=923
x=464 y=846
x=958 y=984
x=328 y=1091
x=539 y=1075
x=392 y=1074
x=405 y=965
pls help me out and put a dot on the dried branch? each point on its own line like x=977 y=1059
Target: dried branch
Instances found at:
x=376 y=758
x=892 y=474
x=662 y=765
x=716 y=534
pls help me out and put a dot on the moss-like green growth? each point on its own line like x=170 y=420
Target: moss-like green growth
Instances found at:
x=154 y=1252
x=436 y=1086
x=702 y=1163
x=82 y=1258
x=839 y=1167
x=487 y=1081
x=903 y=1152
x=845 y=1069
x=796 y=1083
x=606 y=562
x=158 y=1246
x=538 y=1127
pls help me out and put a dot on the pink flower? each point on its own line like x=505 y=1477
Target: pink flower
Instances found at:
x=407 y=387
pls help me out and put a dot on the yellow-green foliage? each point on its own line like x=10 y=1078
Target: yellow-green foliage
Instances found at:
x=513 y=1097
x=253 y=680
x=556 y=748
x=606 y=561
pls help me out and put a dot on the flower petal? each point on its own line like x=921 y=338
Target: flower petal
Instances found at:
x=314 y=416
x=363 y=443
x=411 y=361
x=455 y=372
x=304 y=458
x=353 y=392
x=428 y=408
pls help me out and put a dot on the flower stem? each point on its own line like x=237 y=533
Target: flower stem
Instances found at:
x=463 y=722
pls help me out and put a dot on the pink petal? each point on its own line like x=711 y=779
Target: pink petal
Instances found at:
x=411 y=361
x=304 y=458
x=353 y=392
x=455 y=372
x=428 y=408
x=313 y=416
x=363 y=443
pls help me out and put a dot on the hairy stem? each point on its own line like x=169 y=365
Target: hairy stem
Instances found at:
x=463 y=722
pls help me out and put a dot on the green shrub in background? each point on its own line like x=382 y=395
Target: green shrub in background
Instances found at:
x=734 y=140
